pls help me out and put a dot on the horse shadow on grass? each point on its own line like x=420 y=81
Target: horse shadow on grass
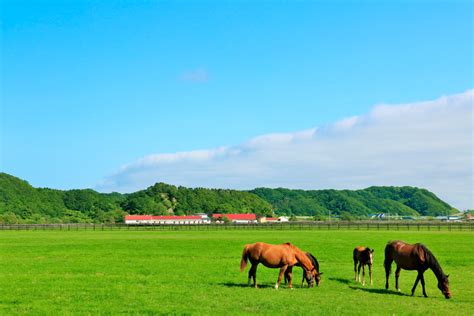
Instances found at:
x=244 y=285
x=340 y=280
x=377 y=291
x=366 y=289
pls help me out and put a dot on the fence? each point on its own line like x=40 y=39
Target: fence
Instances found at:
x=379 y=225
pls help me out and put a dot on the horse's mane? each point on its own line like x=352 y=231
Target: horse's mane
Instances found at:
x=432 y=262
x=313 y=260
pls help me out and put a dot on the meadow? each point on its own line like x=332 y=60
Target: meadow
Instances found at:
x=197 y=272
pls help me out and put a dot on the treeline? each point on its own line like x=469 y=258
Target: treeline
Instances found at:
x=357 y=203
x=161 y=199
x=22 y=203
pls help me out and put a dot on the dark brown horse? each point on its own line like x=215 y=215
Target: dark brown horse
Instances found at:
x=315 y=272
x=275 y=256
x=414 y=257
x=362 y=256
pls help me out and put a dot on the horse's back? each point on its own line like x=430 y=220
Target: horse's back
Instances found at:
x=407 y=256
x=271 y=255
x=358 y=250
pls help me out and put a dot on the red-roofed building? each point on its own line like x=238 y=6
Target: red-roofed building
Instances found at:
x=237 y=218
x=268 y=220
x=166 y=219
x=139 y=219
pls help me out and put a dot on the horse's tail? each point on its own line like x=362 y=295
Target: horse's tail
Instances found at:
x=354 y=255
x=388 y=257
x=243 y=262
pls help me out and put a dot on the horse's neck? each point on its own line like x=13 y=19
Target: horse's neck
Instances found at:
x=435 y=267
x=303 y=259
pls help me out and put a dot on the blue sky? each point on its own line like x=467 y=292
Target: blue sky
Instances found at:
x=89 y=87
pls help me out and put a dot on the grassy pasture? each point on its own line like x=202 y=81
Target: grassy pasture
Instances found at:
x=197 y=272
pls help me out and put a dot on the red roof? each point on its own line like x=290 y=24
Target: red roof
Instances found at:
x=138 y=217
x=242 y=217
x=177 y=217
x=271 y=219
x=162 y=217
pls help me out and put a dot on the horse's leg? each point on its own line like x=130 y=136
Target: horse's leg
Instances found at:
x=370 y=273
x=387 y=264
x=289 y=273
x=302 y=279
x=422 y=279
x=416 y=283
x=363 y=274
x=358 y=271
x=253 y=274
x=280 y=275
x=397 y=274
x=355 y=269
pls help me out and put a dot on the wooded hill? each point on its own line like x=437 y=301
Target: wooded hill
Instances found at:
x=22 y=203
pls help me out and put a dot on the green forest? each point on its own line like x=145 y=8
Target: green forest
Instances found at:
x=22 y=203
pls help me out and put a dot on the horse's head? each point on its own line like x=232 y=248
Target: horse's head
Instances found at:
x=315 y=269
x=310 y=277
x=371 y=256
x=367 y=256
x=317 y=277
x=443 y=286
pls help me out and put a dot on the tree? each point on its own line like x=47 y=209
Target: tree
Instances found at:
x=225 y=219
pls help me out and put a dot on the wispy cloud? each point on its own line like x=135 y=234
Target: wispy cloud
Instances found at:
x=425 y=144
x=198 y=75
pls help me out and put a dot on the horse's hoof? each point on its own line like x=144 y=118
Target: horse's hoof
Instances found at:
x=276 y=286
x=399 y=290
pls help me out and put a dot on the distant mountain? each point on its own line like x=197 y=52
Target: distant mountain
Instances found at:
x=394 y=200
x=22 y=203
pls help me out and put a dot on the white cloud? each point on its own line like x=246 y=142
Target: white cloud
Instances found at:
x=424 y=144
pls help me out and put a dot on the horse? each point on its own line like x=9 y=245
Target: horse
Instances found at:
x=414 y=257
x=276 y=256
x=362 y=256
x=316 y=273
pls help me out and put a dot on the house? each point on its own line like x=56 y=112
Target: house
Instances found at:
x=283 y=219
x=449 y=218
x=139 y=220
x=237 y=218
x=166 y=220
x=268 y=220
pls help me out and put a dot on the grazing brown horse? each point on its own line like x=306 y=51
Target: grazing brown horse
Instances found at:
x=414 y=257
x=363 y=256
x=315 y=272
x=275 y=256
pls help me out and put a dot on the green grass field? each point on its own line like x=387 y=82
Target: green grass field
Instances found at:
x=180 y=272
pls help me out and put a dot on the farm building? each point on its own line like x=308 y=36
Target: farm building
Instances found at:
x=273 y=219
x=237 y=218
x=166 y=219
x=267 y=220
